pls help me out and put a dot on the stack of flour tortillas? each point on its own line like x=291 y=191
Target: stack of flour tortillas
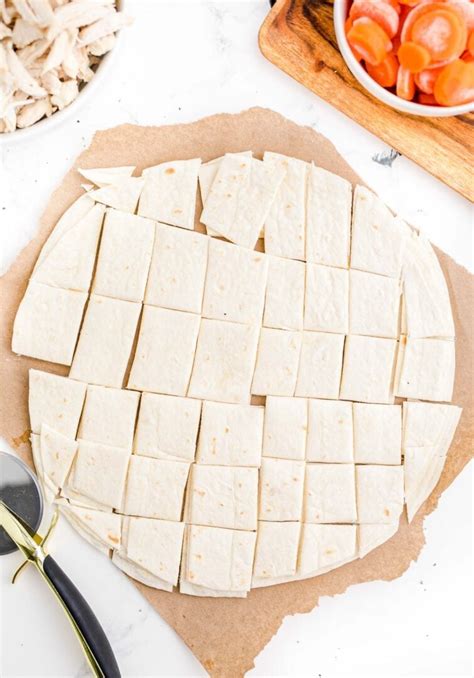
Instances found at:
x=232 y=418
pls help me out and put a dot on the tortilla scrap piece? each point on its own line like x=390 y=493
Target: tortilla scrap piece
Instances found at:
x=122 y=195
x=104 y=176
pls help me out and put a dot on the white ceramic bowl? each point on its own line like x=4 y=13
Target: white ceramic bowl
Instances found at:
x=48 y=124
x=379 y=92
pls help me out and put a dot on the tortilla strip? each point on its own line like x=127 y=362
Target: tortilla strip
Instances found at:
x=276 y=552
x=286 y=423
x=427 y=370
x=281 y=489
x=326 y=307
x=330 y=431
x=57 y=455
x=104 y=176
x=284 y=297
x=319 y=373
x=379 y=493
x=109 y=416
x=368 y=367
x=278 y=357
x=329 y=494
x=377 y=434
x=374 y=305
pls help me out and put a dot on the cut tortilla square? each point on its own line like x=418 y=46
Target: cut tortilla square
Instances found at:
x=124 y=256
x=281 y=489
x=167 y=427
x=57 y=454
x=240 y=199
x=284 y=433
x=426 y=298
x=122 y=195
x=276 y=552
x=164 y=356
x=105 y=526
x=99 y=472
x=155 y=488
x=109 y=416
x=208 y=172
x=230 y=435
x=55 y=401
x=284 y=298
x=368 y=369
x=328 y=218
x=104 y=176
x=326 y=299
x=169 y=192
x=47 y=323
x=70 y=262
x=235 y=283
x=320 y=366
x=379 y=493
x=105 y=342
x=371 y=536
x=286 y=219
x=374 y=305
x=377 y=434
x=223 y=496
x=329 y=494
x=427 y=370
x=156 y=546
x=326 y=546
x=224 y=362
x=330 y=431
x=278 y=357
x=218 y=558
x=178 y=269
x=378 y=238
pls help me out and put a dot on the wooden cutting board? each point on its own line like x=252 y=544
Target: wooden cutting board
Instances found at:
x=298 y=37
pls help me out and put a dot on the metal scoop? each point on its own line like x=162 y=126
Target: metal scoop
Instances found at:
x=21 y=511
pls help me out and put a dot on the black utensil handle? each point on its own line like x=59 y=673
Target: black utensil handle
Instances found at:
x=84 y=617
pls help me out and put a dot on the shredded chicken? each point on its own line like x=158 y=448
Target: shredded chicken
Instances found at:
x=48 y=50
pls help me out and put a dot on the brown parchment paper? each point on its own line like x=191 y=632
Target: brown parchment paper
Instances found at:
x=227 y=634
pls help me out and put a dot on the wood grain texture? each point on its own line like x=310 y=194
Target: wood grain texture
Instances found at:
x=298 y=37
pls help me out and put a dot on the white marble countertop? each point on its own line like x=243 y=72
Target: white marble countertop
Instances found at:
x=182 y=60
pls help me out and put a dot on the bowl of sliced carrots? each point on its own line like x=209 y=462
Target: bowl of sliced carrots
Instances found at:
x=414 y=55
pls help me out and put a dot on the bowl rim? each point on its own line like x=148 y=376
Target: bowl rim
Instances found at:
x=379 y=92
x=47 y=124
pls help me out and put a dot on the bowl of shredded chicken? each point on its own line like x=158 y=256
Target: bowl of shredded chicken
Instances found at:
x=50 y=50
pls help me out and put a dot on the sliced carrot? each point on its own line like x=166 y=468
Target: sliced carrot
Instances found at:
x=423 y=7
x=442 y=32
x=380 y=12
x=425 y=80
x=470 y=43
x=395 y=4
x=455 y=84
x=370 y=40
x=427 y=99
x=405 y=84
x=385 y=73
x=413 y=56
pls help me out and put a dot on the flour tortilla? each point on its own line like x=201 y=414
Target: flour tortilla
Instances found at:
x=178 y=269
x=70 y=262
x=69 y=497
x=428 y=424
x=284 y=296
x=139 y=573
x=377 y=434
x=235 y=283
x=276 y=551
x=374 y=305
x=50 y=490
x=169 y=192
x=367 y=374
x=285 y=221
x=427 y=370
x=328 y=218
x=324 y=547
x=286 y=424
x=47 y=323
x=164 y=357
x=57 y=455
x=124 y=256
x=329 y=494
x=155 y=488
x=240 y=199
x=426 y=298
x=85 y=534
x=330 y=431
x=223 y=496
x=326 y=299
x=281 y=489
x=105 y=342
x=379 y=493
x=55 y=401
x=99 y=472
x=104 y=176
x=278 y=357
x=230 y=435
x=109 y=416
x=319 y=373
x=122 y=195
x=378 y=238
x=104 y=526
x=224 y=362
x=371 y=536
x=167 y=427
